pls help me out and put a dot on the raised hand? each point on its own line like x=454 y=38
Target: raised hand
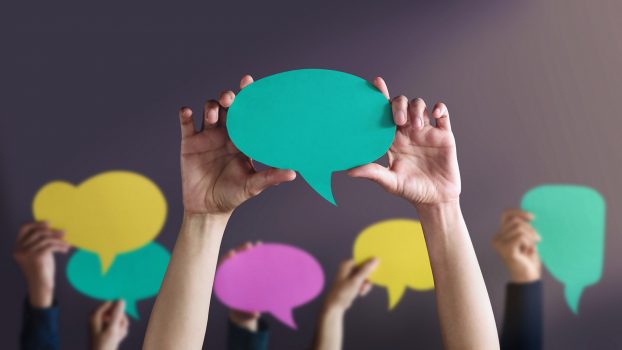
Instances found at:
x=516 y=244
x=109 y=326
x=351 y=281
x=216 y=176
x=423 y=166
x=34 y=253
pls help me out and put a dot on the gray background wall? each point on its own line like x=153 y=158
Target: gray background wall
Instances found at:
x=533 y=88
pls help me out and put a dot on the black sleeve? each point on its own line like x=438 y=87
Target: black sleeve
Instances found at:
x=39 y=328
x=522 y=323
x=243 y=339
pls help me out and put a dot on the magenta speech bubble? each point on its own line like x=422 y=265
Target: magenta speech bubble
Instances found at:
x=270 y=277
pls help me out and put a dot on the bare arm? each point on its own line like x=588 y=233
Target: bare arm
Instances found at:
x=216 y=178
x=423 y=169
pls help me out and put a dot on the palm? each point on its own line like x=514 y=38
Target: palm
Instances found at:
x=211 y=168
x=216 y=177
x=424 y=164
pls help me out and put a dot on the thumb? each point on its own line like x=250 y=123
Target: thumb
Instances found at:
x=377 y=173
x=117 y=312
x=365 y=270
x=264 y=179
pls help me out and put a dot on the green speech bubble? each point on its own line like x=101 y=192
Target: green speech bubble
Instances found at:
x=314 y=121
x=571 y=221
x=132 y=276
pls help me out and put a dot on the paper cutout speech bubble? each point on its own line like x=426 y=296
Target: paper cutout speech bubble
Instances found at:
x=133 y=276
x=110 y=213
x=314 y=121
x=400 y=247
x=270 y=277
x=571 y=221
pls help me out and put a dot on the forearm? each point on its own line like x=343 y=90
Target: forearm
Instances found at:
x=464 y=309
x=179 y=316
x=329 y=332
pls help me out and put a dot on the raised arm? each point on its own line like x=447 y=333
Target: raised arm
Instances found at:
x=423 y=169
x=216 y=178
x=516 y=244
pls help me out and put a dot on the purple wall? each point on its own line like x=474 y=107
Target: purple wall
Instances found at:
x=532 y=87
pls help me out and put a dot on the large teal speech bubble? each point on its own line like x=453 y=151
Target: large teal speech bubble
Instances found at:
x=314 y=121
x=132 y=276
x=571 y=221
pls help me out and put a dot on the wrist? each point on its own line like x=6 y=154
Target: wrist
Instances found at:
x=524 y=277
x=333 y=309
x=204 y=222
x=40 y=295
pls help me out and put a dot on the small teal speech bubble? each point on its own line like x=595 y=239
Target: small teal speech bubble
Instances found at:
x=314 y=121
x=132 y=276
x=571 y=221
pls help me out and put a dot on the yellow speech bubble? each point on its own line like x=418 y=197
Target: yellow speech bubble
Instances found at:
x=110 y=213
x=404 y=263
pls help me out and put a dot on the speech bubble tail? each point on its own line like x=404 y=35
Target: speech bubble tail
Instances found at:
x=573 y=295
x=286 y=316
x=131 y=309
x=106 y=261
x=320 y=182
x=395 y=294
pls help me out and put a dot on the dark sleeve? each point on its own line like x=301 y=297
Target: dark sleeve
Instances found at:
x=522 y=323
x=242 y=339
x=39 y=328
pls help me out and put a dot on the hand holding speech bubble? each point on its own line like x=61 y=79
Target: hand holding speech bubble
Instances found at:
x=108 y=214
x=133 y=276
x=314 y=121
x=399 y=245
x=571 y=221
x=270 y=277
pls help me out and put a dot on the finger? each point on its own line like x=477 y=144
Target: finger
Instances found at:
x=441 y=115
x=418 y=113
x=382 y=86
x=243 y=247
x=399 y=106
x=45 y=243
x=36 y=236
x=520 y=226
x=97 y=318
x=264 y=179
x=185 y=119
x=377 y=173
x=118 y=312
x=210 y=113
x=27 y=229
x=363 y=272
x=226 y=98
x=246 y=81
x=345 y=269
x=511 y=213
x=365 y=289
x=61 y=248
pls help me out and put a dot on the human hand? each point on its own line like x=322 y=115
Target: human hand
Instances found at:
x=423 y=166
x=109 y=326
x=243 y=319
x=34 y=253
x=351 y=281
x=516 y=244
x=216 y=176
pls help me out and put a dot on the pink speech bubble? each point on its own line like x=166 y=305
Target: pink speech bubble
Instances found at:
x=270 y=277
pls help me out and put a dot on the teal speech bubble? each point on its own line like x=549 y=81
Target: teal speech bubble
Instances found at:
x=132 y=276
x=314 y=121
x=571 y=221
